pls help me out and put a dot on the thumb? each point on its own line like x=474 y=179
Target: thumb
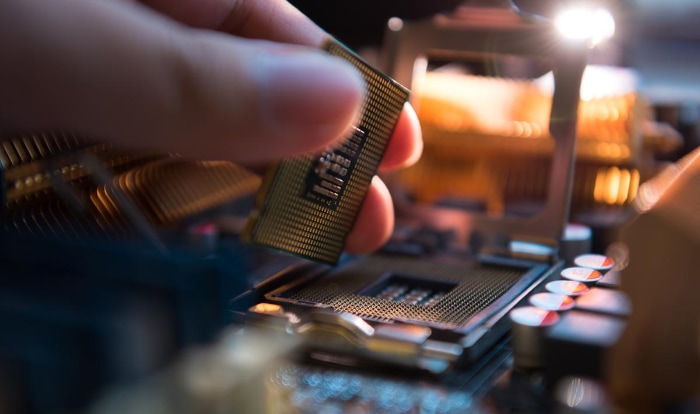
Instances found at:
x=116 y=70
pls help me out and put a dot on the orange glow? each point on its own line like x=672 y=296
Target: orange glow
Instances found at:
x=612 y=185
x=266 y=308
x=615 y=186
x=599 y=187
x=634 y=185
x=623 y=193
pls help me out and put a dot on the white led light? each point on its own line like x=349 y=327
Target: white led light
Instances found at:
x=585 y=24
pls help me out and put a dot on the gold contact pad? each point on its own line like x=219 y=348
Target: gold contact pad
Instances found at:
x=474 y=287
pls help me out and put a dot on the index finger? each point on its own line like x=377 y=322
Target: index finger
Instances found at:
x=279 y=21
x=275 y=20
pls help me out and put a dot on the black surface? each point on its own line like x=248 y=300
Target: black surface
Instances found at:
x=77 y=318
x=576 y=345
x=361 y=22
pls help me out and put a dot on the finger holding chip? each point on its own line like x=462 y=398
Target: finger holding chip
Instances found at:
x=119 y=71
x=308 y=205
x=375 y=222
x=279 y=21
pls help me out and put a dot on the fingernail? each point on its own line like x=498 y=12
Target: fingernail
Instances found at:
x=310 y=93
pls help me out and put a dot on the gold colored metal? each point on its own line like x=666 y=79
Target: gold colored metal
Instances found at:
x=68 y=186
x=289 y=217
x=463 y=35
x=266 y=308
x=487 y=139
x=171 y=189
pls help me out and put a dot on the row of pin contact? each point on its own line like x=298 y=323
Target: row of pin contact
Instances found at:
x=171 y=189
x=33 y=178
x=26 y=183
x=23 y=161
x=27 y=148
x=416 y=296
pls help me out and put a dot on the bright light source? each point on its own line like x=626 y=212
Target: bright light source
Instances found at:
x=395 y=24
x=585 y=24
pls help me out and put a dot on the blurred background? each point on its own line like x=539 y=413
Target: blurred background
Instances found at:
x=90 y=306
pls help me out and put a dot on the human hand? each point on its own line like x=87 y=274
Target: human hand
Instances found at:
x=240 y=80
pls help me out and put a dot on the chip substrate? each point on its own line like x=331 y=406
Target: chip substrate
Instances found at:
x=307 y=205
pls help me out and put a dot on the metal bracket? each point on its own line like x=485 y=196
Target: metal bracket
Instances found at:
x=464 y=34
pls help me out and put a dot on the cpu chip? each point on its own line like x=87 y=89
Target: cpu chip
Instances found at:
x=307 y=205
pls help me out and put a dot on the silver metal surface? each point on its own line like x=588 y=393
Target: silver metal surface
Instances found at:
x=410 y=44
x=528 y=327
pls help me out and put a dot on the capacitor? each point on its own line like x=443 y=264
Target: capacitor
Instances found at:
x=577 y=241
x=581 y=274
x=597 y=262
x=552 y=301
x=567 y=287
x=529 y=325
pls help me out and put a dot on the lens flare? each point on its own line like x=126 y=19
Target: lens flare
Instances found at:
x=584 y=24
